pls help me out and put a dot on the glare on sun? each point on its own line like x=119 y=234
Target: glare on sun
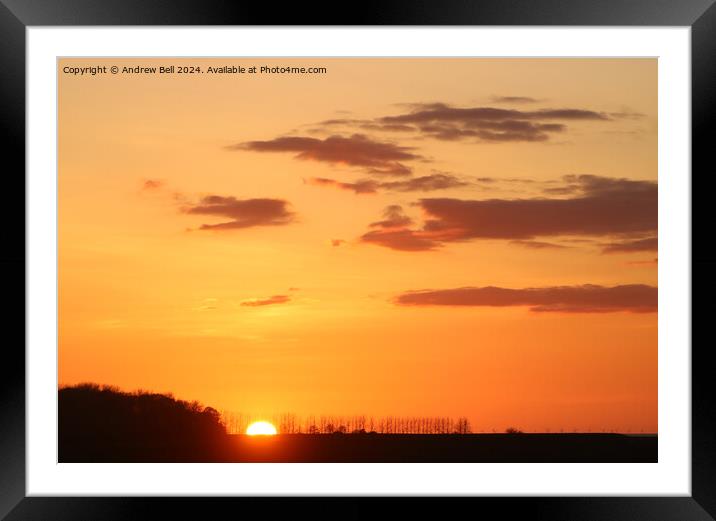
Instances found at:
x=261 y=429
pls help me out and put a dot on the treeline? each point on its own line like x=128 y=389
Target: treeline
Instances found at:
x=236 y=423
x=102 y=423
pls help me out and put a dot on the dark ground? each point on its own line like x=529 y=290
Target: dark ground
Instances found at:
x=455 y=448
x=381 y=448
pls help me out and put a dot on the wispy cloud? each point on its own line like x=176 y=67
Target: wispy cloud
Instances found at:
x=242 y=213
x=372 y=156
x=633 y=246
x=514 y=99
x=268 y=301
x=588 y=298
x=538 y=245
x=490 y=124
x=600 y=206
x=393 y=217
x=365 y=186
x=426 y=183
x=152 y=184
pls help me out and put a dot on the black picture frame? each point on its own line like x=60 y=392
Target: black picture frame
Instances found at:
x=17 y=15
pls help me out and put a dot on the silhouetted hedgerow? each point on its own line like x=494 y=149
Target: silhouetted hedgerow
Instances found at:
x=236 y=423
x=102 y=423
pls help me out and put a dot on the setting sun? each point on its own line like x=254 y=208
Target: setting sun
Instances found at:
x=261 y=429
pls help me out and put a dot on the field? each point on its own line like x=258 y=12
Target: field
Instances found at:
x=379 y=448
x=466 y=448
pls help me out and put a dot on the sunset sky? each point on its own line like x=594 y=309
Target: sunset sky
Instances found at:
x=454 y=237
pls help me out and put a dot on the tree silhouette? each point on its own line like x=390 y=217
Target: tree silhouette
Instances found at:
x=104 y=424
x=289 y=423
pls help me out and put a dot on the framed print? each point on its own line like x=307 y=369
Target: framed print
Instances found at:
x=422 y=252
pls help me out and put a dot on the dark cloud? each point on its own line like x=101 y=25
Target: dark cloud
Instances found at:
x=443 y=112
x=341 y=122
x=486 y=124
x=394 y=217
x=593 y=184
x=636 y=298
x=627 y=114
x=391 y=127
x=603 y=207
x=393 y=232
x=243 y=213
x=374 y=157
x=363 y=124
x=275 y=299
x=514 y=99
x=337 y=242
x=437 y=181
x=637 y=245
x=399 y=239
x=366 y=186
x=562 y=190
x=491 y=124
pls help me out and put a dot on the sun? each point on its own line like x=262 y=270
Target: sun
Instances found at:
x=261 y=429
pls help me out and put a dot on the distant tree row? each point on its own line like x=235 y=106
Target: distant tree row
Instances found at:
x=236 y=423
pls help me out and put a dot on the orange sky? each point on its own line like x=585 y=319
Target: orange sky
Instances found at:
x=537 y=176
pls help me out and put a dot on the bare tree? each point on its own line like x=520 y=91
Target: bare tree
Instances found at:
x=290 y=423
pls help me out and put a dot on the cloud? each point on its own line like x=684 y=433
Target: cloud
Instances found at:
x=402 y=240
x=637 y=245
x=357 y=150
x=275 y=299
x=393 y=232
x=561 y=190
x=538 y=245
x=588 y=298
x=243 y=213
x=627 y=114
x=337 y=242
x=650 y=262
x=365 y=186
x=514 y=99
x=482 y=124
x=603 y=207
x=362 y=124
x=152 y=184
x=426 y=183
x=490 y=124
x=393 y=218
